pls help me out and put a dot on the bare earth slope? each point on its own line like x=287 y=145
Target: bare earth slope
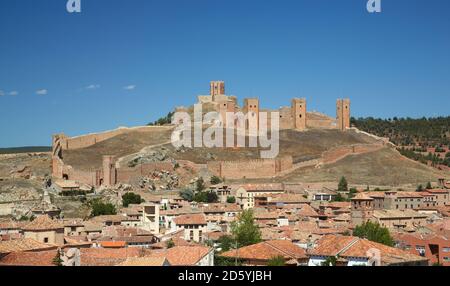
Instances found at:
x=384 y=167
x=120 y=145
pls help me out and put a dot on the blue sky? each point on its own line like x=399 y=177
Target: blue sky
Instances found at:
x=128 y=62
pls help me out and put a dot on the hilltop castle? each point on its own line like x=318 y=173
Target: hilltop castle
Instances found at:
x=295 y=116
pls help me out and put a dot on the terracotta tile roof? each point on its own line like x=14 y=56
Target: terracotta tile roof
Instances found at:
x=279 y=187
x=183 y=255
x=361 y=197
x=409 y=195
x=267 y=250
x=108 y=218
x=109 y=256
x=190 y=219
x=145 y=261
x=397 y=214
x=287 y=198
x=438 y=191
x=10 y=224
x=307 y=211
x=92 y=226
x=349 y=246
x=113 y=244
x=338 y=205
x=24 y=244
x=41 y=258
x=43 y=222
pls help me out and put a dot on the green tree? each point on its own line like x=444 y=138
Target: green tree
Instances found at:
x=343 y=186
x=429 y=187
x=419 y=188
x=215 y=180
x=339 y=198
x=187 y=195
x=131 y=198
x=206 y=197
x=330 y=261
x=200 y=185
x=374 y=232
x=170 y=243
x=226 y=243
x=351 y=193
x=244 y=230
x=99 y=208
x=276 y=261
x=231 y=200
x=57 y=261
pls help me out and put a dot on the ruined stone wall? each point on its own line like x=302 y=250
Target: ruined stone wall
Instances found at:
x=84 y=177
x=321 y=124
x=84 y=141
x=339 y=153
x=262 y=168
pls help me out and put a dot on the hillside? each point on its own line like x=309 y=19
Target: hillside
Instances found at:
x=31 y=149
x=301 y=145
x=384 y=167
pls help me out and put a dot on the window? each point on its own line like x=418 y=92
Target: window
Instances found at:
x=45 y=239
x=446 y=249
x=191 y=236
x=446 y=259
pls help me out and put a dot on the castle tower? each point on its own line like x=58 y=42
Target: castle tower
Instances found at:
x=299 y=113
x=216 y=88
x=251 y=109
x=224 y=107
x=343 y=114
x=362 y=209
x=109 y=171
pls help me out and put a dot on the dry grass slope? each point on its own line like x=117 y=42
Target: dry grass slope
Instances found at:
x=384 y=167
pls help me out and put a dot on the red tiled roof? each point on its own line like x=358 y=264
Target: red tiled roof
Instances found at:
x=183 y=255
x=108 y=256
x=190 y=219
x=43 y=222
x=263 y=187
x=349 y=246
x=113 y=244
x=41 y=258
x=24 y=244
x=267 y=250
x=438 y=191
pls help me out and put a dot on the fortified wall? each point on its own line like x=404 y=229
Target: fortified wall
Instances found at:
x=339 y=153
x=84 y=141
x=294 y=116
x=252 y=169
x=109 y=174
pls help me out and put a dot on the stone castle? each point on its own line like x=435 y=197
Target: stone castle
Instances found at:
x=295 y=116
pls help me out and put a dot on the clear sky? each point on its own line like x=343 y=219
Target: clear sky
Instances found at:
x=128 y=62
